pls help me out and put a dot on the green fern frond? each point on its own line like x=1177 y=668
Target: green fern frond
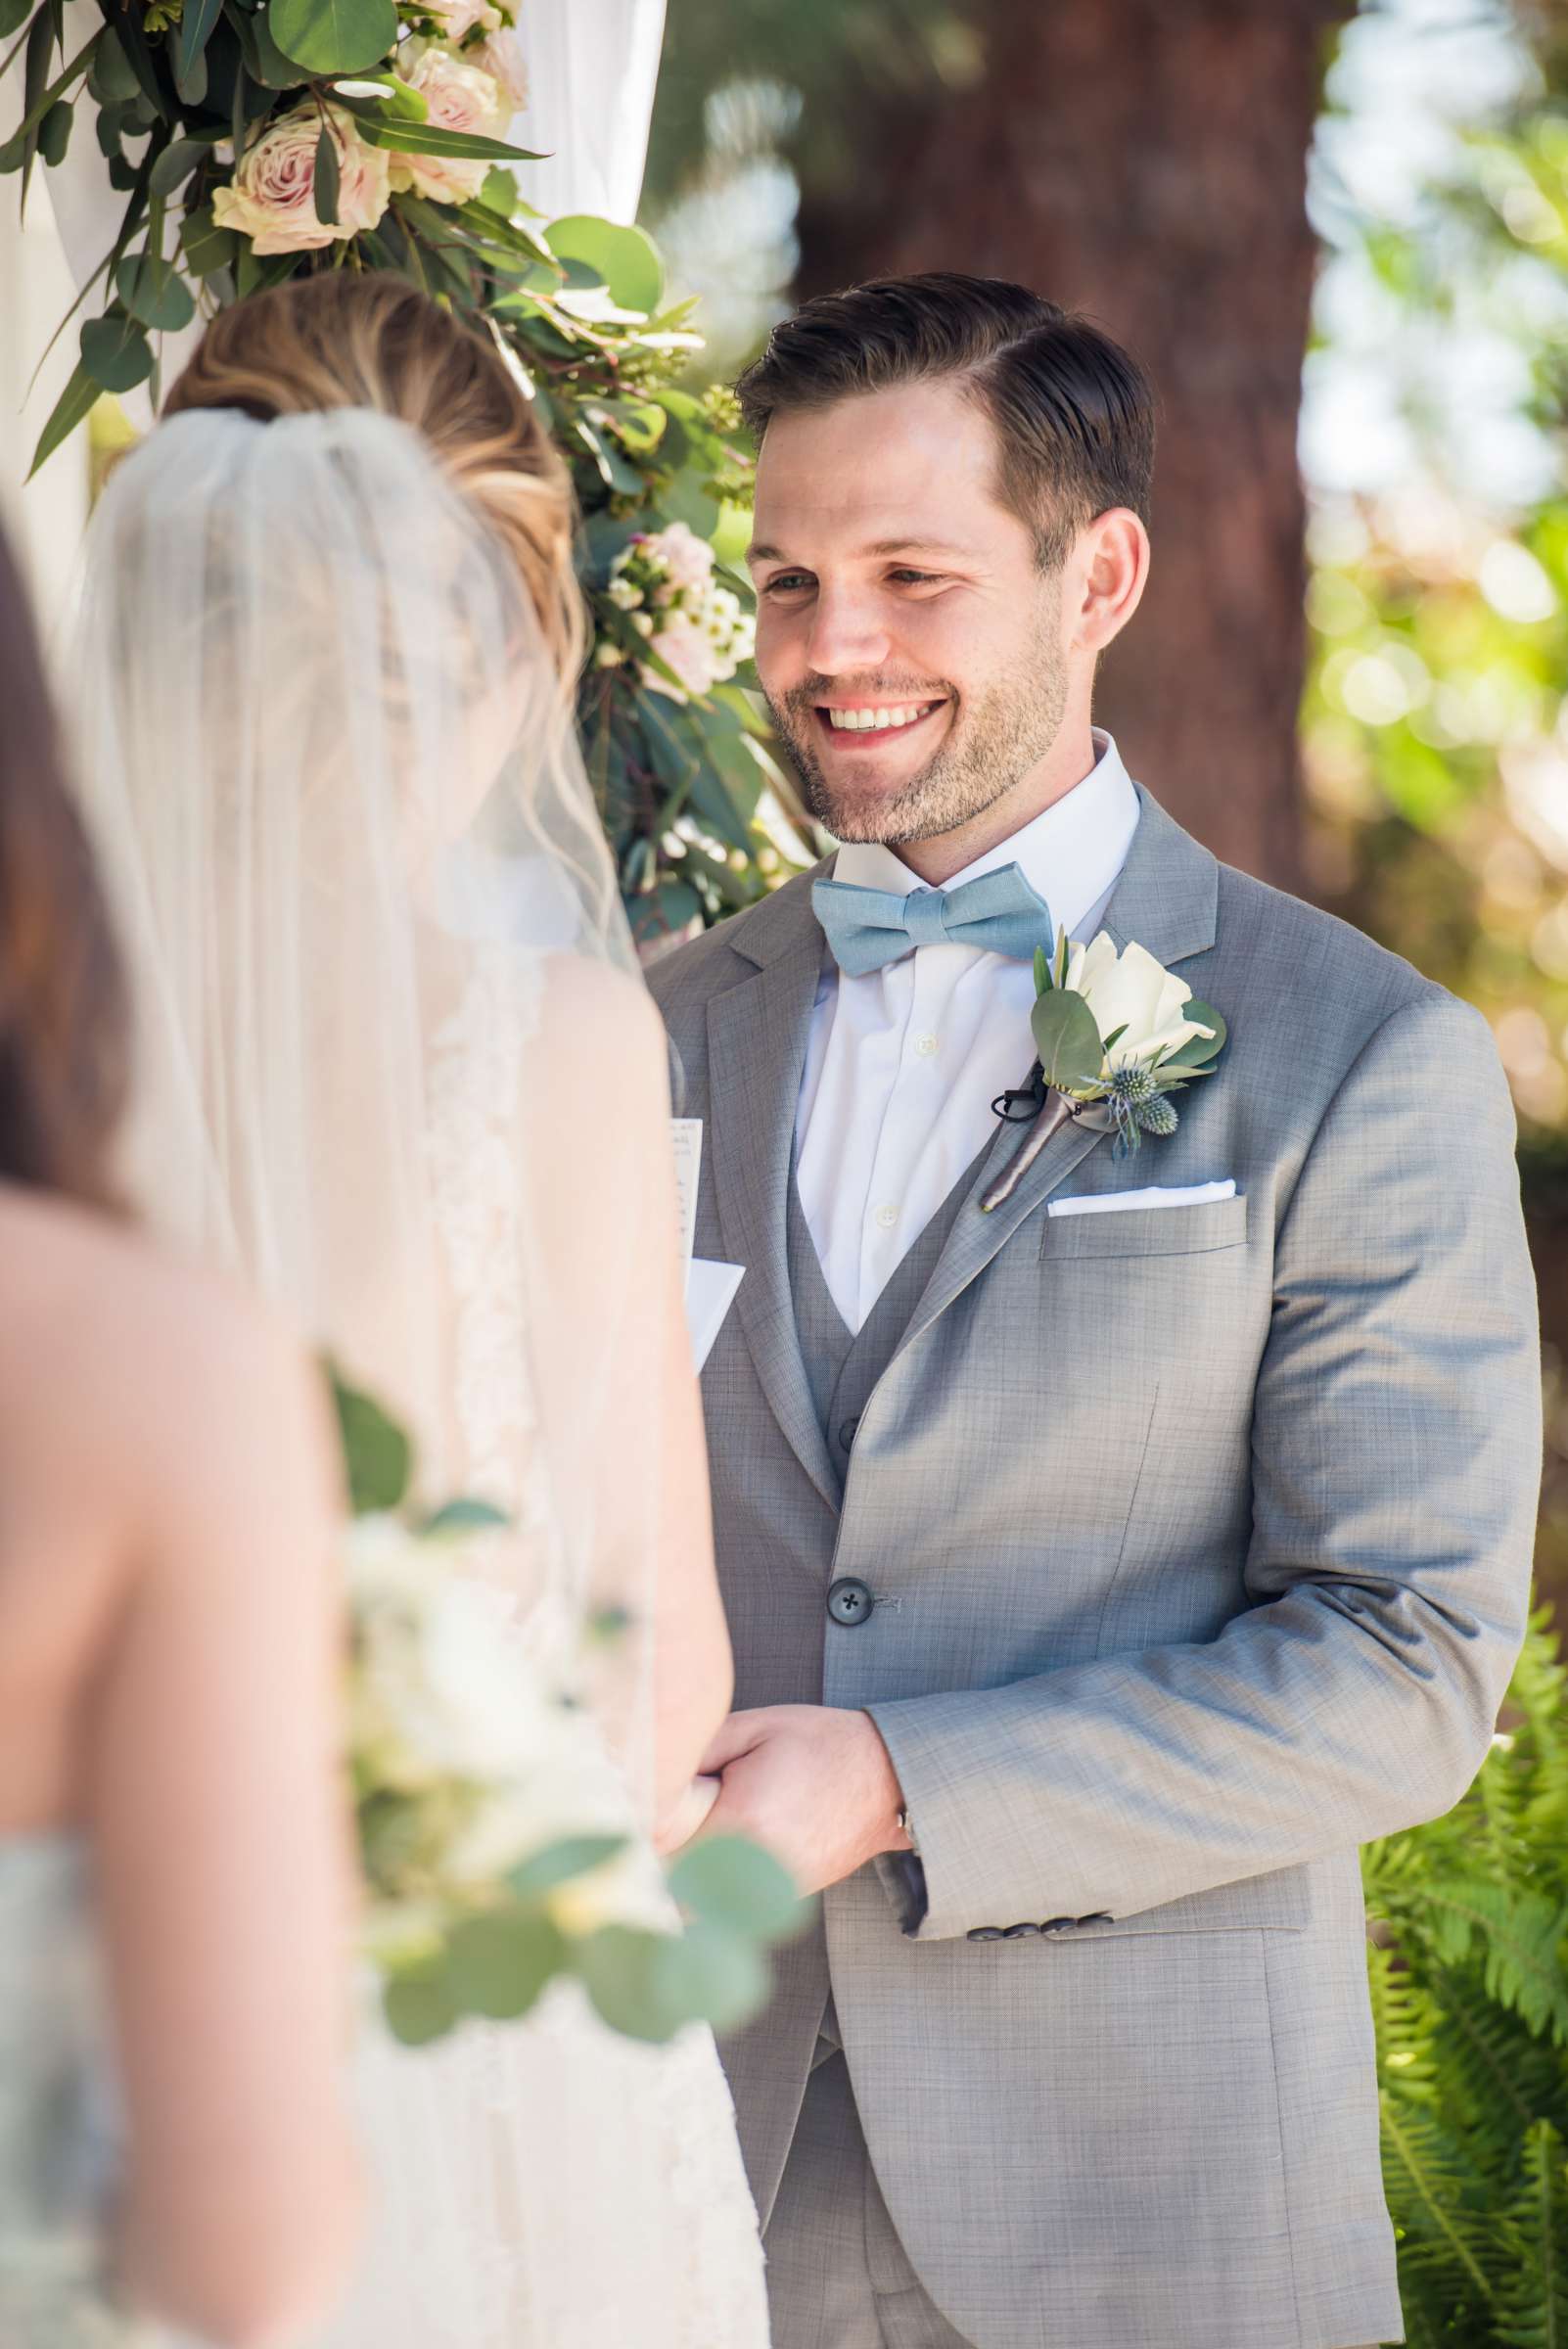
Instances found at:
x=1533 y=2303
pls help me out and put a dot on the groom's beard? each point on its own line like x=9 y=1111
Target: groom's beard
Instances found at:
x=990 y=745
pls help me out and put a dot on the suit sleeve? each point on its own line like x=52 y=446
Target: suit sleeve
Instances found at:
x=1396 y=1463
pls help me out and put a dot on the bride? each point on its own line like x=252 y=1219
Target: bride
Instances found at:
x=396 y=1062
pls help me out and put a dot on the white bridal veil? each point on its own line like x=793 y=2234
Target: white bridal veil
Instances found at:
x=394 y=1064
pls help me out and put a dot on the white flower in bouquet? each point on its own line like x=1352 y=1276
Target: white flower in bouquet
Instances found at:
x=663 y=580
x=465 y=1757
x=459 y=96
x=1135 y=993
x=272 y=198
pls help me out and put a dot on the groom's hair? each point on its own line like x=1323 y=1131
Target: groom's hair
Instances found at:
x=1073 y=411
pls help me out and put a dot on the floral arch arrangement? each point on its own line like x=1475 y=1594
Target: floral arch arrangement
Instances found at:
x=253 y=139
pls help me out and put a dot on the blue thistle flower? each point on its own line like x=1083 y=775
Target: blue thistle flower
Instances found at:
x=1137 y=1107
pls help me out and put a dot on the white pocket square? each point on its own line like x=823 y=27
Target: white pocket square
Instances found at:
x=1196 y=1194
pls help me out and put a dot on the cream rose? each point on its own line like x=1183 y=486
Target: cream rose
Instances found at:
x=272 y=199
x=1132 y=990
x=460 y=96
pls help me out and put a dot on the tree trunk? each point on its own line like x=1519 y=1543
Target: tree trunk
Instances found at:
x=1146 y=162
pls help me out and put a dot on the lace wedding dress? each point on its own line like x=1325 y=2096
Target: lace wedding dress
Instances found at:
x=398 y=1067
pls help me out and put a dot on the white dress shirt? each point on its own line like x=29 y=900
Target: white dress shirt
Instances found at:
x=903 y=1064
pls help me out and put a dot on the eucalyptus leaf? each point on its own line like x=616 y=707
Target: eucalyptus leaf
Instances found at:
x=730 y=1880
x=620 y=1968
x=14 y=14
x=558 y=1862
x=624 y=258
x=207 y=247
x=175 y=164
x=385 y=128
x=685 y=501
x=197 y=20
x=1199 y=1050
x=377 y=1454
x=264 y=61
x=1044 y=982
x=497 y=1964
x=650 y=1984
x=54 y=132
x=115 y=353
x=335 y=36
x=1067 y=1040
x=75 y=403
x=112 y=78
x=326 y=180
x=721 y=1978
x=419 y=2007
x=464 y=1517
x=154 y=293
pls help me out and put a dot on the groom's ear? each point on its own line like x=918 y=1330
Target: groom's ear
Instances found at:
x=1103 y=579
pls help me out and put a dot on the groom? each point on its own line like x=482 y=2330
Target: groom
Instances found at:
x=1102 y=1569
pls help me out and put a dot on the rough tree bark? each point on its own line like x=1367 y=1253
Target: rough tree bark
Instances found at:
x=1146 y=162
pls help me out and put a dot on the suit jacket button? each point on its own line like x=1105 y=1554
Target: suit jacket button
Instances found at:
x=983 y=1933
x=1101 y=1917
x=849 y=1431
x=1019 y=1932
x=1058 y=1924
x=850 y=1601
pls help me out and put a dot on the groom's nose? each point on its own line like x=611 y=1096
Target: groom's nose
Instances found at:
x=849 y=632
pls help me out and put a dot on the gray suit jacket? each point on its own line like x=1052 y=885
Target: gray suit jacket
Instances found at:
x=1200 y=1542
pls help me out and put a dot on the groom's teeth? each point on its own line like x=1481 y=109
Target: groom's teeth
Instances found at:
x=866 y=721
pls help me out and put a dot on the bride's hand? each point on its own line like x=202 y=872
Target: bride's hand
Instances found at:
x=685 y=1816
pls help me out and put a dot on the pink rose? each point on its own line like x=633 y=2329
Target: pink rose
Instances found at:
x=688 y=559
x=460 y=96
x=273 y=197
x=458 y=17
x=684 y=646
x=504 y=57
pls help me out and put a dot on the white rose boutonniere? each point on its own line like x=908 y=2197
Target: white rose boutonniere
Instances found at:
x=1115 y=1033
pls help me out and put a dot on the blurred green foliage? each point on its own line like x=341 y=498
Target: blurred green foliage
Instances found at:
x=1435 y=724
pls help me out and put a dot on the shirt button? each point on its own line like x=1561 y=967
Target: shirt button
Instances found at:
x=926 y=1046
x=886 y=1217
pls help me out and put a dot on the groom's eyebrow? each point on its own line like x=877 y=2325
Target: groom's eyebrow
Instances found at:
x=760 y=551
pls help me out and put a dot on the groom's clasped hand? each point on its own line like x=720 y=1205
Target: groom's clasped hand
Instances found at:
x=814 y=1783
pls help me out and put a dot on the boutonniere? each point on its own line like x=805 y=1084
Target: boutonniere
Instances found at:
x=1117 y=1034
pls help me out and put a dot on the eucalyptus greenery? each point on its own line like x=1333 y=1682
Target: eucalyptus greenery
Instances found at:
x=1469 y=1921
x=451 y=1946
x=181 y=92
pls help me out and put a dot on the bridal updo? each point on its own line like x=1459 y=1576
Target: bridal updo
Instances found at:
x=369 y=340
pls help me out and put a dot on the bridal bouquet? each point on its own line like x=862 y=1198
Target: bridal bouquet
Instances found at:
x=497 y=1846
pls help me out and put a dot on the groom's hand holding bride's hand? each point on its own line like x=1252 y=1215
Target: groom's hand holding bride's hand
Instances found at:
x=813 y=1783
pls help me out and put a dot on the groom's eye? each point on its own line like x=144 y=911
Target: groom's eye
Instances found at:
x=917 y=578
x=788 y=583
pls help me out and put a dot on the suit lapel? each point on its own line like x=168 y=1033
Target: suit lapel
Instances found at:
x=1167 y=899
x=757 y=1034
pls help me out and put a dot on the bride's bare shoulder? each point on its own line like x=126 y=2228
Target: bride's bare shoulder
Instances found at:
x=602 y=1027
x=115 y=1350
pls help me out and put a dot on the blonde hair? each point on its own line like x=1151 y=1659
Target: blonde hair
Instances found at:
x=369 y=340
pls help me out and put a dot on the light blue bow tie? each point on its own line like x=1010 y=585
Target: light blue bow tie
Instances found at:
x=998 y=914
